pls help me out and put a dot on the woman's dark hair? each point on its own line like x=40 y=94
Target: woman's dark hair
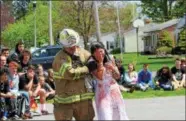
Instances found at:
x=160 y=72
x=92 y=64
x=98 y=45
x=3 y=71
x=16 y=48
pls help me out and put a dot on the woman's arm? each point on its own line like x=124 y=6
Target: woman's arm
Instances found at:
x=99 y=72
x=114 y=70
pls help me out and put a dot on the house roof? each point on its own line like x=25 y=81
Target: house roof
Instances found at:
x=181 y=22
x=162 y=26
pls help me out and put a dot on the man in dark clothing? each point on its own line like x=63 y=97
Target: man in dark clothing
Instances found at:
x=5 y=52
x=29 y=82
x=163 y=79
x=178 y=75
x=7 y=99
x=17 y=54
x=25 y=60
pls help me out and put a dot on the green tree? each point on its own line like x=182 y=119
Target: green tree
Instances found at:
x=158 y=10
x=108 y=17
x=127 y=15
x=78 y=15
x=182 y=39
x=23 y=29
x=165 y=42
x=165 y=39
x=179 y=8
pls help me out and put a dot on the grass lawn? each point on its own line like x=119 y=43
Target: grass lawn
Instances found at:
x=154 y=64
x=148 y=94
x=153 y=93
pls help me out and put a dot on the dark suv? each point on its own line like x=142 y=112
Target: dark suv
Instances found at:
x=45 y=56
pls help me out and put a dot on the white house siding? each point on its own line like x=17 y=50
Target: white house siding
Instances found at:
x=131 y=41
x=110 y=38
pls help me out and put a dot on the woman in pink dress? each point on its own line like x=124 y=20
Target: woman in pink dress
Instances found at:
x=109 y=102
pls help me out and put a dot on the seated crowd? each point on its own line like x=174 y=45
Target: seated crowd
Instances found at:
x=21 y=82
x=165 y=78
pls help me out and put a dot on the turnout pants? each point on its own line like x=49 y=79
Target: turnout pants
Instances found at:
x=82 y=110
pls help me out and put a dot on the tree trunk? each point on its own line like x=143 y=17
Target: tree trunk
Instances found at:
x=85 y=39
x=165 y=10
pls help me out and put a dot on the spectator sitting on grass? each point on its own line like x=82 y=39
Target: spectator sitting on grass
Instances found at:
x=29 y=82
x=163 y=79
x=5 y=52
x=130 y=77
x=13 y=79
x=183 y=64
x=25 y=60
x=178 y=75
x=49 y=92
x=5 y=94
x=145 y=78
x=3 y=62
x=40 y=71
x=17 y=54
x=122 y=73
x=121 y=70
x=50 y=79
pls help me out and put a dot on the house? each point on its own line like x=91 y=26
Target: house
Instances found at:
x=108 y=39
x=151 y=36
x=131 y=39
x=147 y=37
x=129 y=43
x=180 y=25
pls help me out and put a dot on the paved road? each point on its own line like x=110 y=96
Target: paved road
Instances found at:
x=169 y=108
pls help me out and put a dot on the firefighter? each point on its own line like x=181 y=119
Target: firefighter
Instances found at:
x=73 y=96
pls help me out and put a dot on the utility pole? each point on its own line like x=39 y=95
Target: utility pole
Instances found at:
x=50 y=23
x=119 y=30
x=35 y=32
x=96 y=18
x=185 y=29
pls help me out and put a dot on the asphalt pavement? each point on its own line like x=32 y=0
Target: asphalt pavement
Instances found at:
x=164 y=108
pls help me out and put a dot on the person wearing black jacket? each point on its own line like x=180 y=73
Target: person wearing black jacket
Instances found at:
x=163 y=79
x=17 y=54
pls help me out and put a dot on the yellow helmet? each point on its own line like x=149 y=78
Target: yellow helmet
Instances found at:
x=69 y=38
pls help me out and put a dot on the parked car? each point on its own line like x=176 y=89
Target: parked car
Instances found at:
x=45 y=55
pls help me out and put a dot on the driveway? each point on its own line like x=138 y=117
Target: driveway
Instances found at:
x=164 y=108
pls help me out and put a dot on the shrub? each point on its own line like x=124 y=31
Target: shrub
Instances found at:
x=165 y=49
x=182 y=40
x=165 y=40
x=116 y=51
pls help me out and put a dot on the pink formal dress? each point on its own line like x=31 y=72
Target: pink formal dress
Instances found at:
x=109 y=102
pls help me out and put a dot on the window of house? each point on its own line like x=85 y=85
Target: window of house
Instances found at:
x=107 y=45
x=111 y=45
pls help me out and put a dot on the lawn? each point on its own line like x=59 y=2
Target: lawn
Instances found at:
x=148 y=94
x=154 y=64
x=153 y=93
